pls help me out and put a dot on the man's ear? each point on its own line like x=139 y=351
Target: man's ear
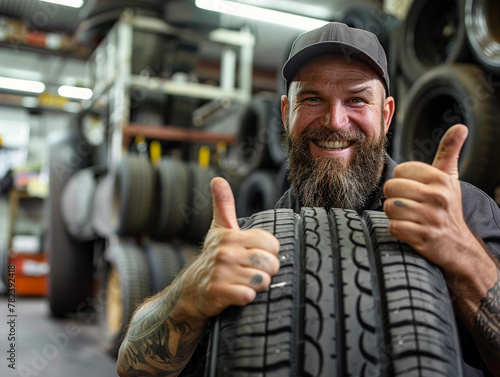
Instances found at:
x=389 y=108
x=285 y=105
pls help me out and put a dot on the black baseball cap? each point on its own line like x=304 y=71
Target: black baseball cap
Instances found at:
x=340 y=39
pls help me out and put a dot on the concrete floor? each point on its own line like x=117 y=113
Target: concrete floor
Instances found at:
x=48 y=347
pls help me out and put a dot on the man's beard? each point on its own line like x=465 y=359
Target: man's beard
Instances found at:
x=331 y=182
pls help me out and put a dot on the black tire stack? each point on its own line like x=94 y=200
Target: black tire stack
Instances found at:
x=159 y=215
x=140 y=224
x=450 y=60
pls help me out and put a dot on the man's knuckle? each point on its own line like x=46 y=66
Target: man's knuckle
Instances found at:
x=224 y=254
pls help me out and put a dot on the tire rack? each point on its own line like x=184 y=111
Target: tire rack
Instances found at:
x=110 y=67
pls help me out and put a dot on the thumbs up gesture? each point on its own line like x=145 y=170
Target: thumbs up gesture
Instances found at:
x=234 y=265
x=424 y=204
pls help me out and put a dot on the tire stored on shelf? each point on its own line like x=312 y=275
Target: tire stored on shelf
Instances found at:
x=166 y=260
x=433 y=34
x=257 y=192
x=349 y=299
x=77 y=203
x=274 y=142
x=125 y=283
x=198 y=214
x=446 y=95
x=172 y=196
x=250 y=151
x=133 y=195
x=483 y=32
x=102 y=206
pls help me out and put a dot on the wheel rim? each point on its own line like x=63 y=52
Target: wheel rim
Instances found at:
x=114 y=302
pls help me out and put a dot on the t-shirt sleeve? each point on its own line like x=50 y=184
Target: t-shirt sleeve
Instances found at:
x=482 y=215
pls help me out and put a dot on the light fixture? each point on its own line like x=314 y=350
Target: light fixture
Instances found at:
x=67 y=3
x=22 y=85
x=261 y=14
x=74 y=92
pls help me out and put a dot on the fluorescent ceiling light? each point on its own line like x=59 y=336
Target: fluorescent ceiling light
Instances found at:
x=67 y=3
x=261 y=14
x=74 y=92
x=22 y=85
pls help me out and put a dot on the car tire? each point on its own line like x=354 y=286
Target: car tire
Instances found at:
x=125 y=283
x=349 y=300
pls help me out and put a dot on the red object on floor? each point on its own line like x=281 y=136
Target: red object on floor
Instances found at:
x=30 y=273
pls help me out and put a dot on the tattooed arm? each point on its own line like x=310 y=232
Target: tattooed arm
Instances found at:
x=486 y=327
x=234 y=265
x=160 y=338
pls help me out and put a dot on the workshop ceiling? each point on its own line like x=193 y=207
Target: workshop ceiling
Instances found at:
x=272 y=42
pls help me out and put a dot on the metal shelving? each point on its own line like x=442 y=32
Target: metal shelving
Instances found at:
x=111 y=65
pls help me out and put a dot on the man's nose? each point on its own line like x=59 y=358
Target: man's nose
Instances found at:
x=335 y=116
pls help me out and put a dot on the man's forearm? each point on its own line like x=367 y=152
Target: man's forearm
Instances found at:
x=158 y=343
x=486 y=327
x=480 y=307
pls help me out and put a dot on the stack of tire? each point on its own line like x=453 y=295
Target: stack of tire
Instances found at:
x=257 y=162
x=149 y=221
x=449 y=58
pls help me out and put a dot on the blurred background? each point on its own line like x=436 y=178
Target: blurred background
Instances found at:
x=115 y=116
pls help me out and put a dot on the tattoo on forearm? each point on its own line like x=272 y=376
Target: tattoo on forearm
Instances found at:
x=156 y=342
x=487 y=318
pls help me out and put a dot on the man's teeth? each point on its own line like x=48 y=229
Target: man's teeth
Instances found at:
x=333 y=144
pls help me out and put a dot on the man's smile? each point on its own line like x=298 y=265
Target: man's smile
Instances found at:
x=333 y=145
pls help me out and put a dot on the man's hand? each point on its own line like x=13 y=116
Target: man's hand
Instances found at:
x=424 y=204
x=234 y=264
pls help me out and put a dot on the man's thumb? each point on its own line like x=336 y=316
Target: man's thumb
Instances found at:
x=224 y=207
x=446 y=158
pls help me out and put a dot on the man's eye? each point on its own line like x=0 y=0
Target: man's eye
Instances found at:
x=357 y=100
x=312 y=99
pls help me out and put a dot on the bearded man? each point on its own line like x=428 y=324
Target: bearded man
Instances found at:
x=336 y=115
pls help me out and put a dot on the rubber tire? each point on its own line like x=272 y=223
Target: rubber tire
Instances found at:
x=76 y=203
x=165 y=262
x=133 y=195
x=421 y=47
x=101 y=219
x=172 y=196
x=250 y=152
x=70 y=280
x=125 y=283
x=483 y=32
x=274 y=142
x=349 y=300
x=257 y=193
x=198 y=214
x=458 y=93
